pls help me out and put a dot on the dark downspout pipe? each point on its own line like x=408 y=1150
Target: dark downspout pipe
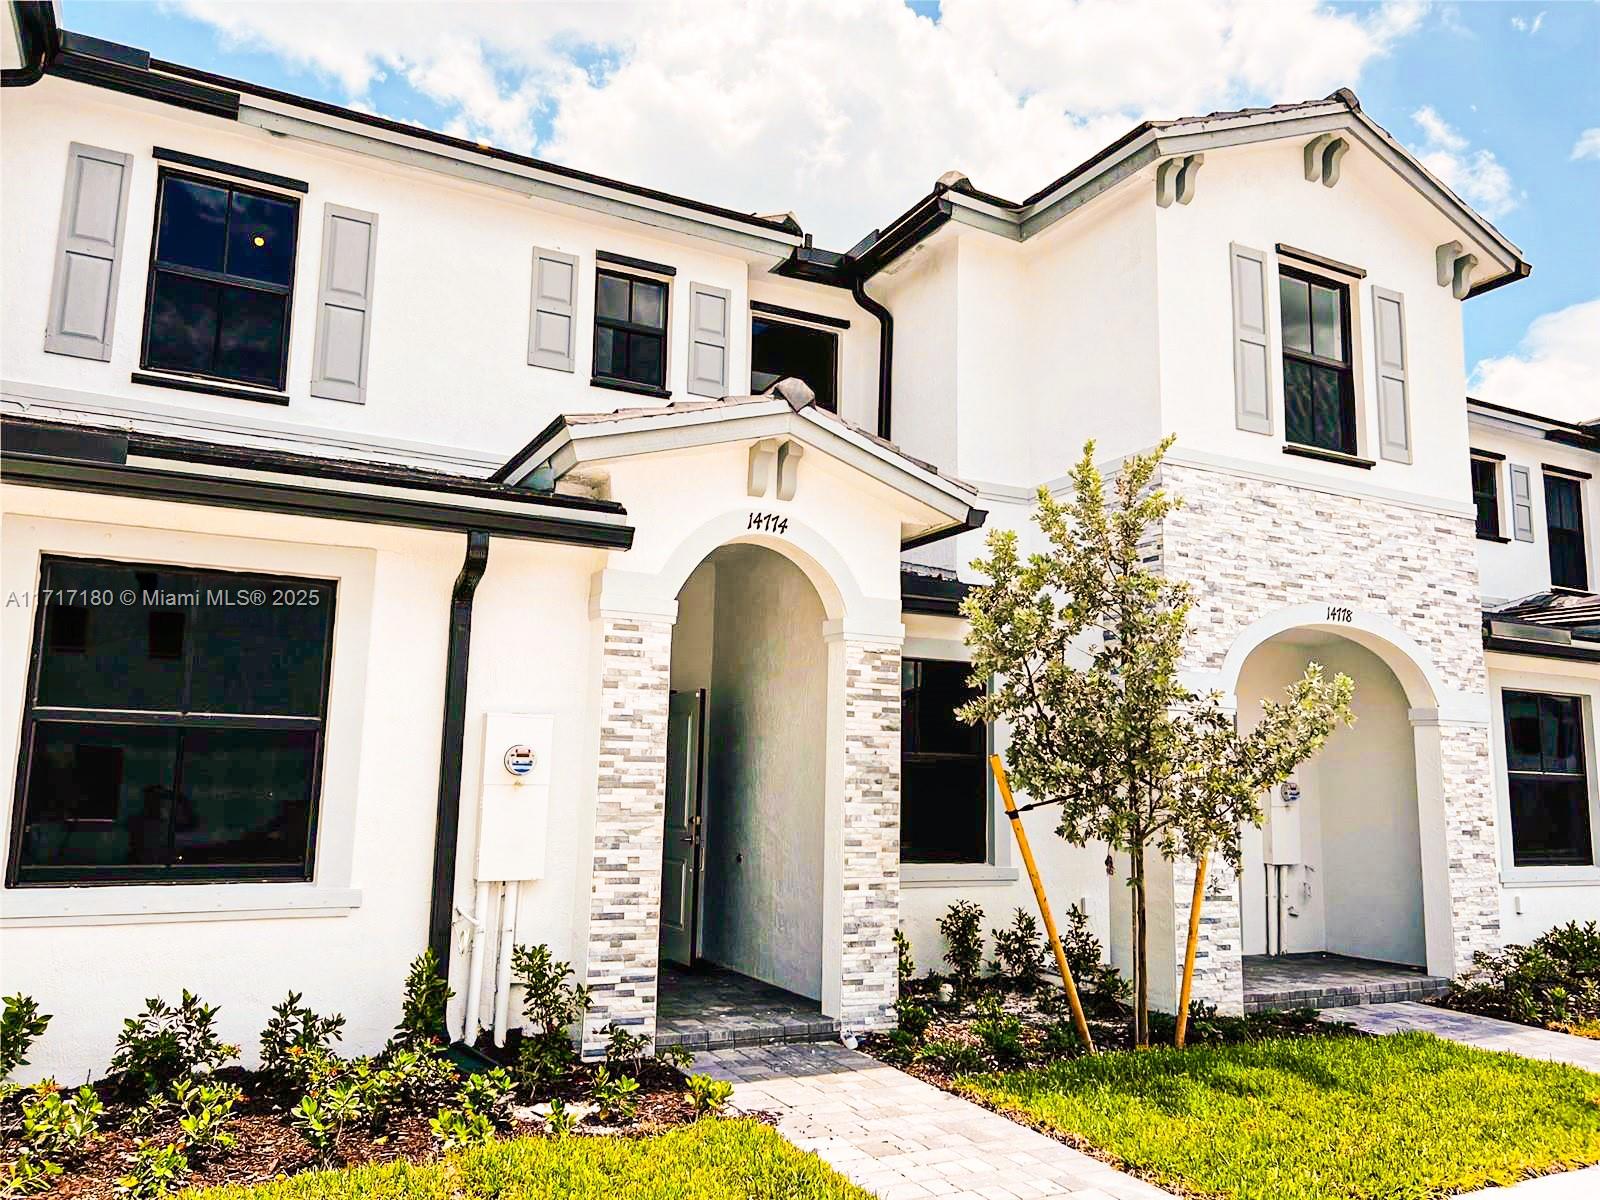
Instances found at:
x=448 y=824
x=858 y=289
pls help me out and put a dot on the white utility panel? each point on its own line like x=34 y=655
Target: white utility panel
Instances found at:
x=514 y=796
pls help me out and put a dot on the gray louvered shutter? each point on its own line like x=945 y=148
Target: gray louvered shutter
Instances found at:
x=344 y=304
x=1394 y=392
x=550 y=327
x=83 y=293
x=1521 y=504
x=1252 y=356
x=708 y=340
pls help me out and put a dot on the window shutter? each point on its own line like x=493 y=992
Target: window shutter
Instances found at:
x=1394 y=392
x=1521 y=504
x=83 y=294
x=708 y=340
x=344 y=304
x=550 y=329
x=1252 y=358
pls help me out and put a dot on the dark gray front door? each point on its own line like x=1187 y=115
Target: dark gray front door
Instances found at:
x=680 y=854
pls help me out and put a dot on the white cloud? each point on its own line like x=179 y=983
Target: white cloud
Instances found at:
x=843 y=111
x=1587 y=145
x=1555 y=371
x=1523 y=25
x=1474 y=175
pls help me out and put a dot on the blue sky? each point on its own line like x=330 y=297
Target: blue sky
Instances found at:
x=846 y=112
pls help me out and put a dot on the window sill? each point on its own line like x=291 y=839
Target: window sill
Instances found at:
x=919 y=875
x=1546 y=877
x=622 y=385
x=1494 y=537
x=184 y=384
x=1333 y=456
x=147 y=904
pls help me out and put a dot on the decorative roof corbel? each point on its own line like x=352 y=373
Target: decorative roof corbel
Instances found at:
x=1454 y=268
x=1175 y=179
x=762 y=457
x=789 y=455
x=1323 y=154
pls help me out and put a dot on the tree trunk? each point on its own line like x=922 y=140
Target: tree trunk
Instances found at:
x=1141 y=954
x=1189 y=950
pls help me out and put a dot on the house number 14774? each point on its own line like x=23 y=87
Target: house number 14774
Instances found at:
x=768 y=523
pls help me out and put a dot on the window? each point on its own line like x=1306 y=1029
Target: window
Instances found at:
x=173 y=728
x=1563 y=507
x=1549 y=780
x=944 y=795
x=779 y=349
x=630 y=330
x=221 y=273
x=1318 y=385
x=1486 y=496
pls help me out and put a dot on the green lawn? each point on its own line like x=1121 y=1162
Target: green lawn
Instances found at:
x=1335 y=1118
x=710 y=1160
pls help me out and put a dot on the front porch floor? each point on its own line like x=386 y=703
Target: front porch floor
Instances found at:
x=711 y=1007
x=1331 y=981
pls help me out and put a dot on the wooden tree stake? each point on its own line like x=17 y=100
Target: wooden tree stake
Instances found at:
x=1189 y=950
x=1078 y=1019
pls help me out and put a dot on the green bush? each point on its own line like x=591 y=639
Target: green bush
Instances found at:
x=57 y=1127
x=709 y=1096
x=549 y=1002
x=1001 y=1033
x=321 y=1117
x=962 y=927
x=953 y=1058
x=26 y=1174
x=905 y=965
x=625 y=1052
x=613 y=1096
x=422 y=1007
x=544 y=1060
x=296 y=1045
x=558 y=1122
x=204 y=1111
x=156 y=1171
x=163 y=1044
x=458 y=1127
x=1096 y=980
x=489 y=1094
x=21 y=1024
x=912 y=1019
x=1060 y=1040
x=1554 y=980
x=1021 y=954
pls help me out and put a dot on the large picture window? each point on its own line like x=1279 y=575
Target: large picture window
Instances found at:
x=220 y=277
x=174 y=726
x=781 y=349
x=630 y=331
x=1318 y=384
x=944 y=797
x=1549 y=780
x=1563 y=506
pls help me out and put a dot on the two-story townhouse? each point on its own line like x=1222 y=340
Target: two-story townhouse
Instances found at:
x=411 y=543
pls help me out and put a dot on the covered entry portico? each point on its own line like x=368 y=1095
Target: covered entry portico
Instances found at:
x=837 y=507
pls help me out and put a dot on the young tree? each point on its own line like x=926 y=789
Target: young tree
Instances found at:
x=1084 y=643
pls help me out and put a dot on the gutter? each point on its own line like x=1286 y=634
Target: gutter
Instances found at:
x=40 y=37
x=452 y=735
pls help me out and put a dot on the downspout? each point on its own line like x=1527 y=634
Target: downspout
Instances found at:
x=858 y=290
x=40 y=38
x=448 y=823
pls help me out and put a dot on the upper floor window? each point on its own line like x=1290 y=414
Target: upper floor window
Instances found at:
x=1549 y=780
x=221 y=274
x=1563 y=506
x=781 y=349
x=1318 y=384
x=944 y=796
x=1486 y=496
x=173 y=727
x=630 y=330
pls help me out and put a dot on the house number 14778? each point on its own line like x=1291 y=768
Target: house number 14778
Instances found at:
x=768 y=523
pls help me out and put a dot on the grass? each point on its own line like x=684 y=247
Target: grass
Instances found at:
x=1339 y=1118
x=709 y=1160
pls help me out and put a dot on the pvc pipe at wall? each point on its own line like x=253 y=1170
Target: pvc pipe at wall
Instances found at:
x=509 y=893
x=477 y=940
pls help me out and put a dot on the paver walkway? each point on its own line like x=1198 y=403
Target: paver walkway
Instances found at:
x=1571 y=1185
x=904 y=1139
x=1485 y=1032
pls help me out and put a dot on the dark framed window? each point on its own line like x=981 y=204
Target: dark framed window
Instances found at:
x=221 y=274
x=944 y=794
x=630 y=330
x=173 y=727
x=781 y=349
x=1549 y=781
x=1318 y=384
x=1486 y=496
x=1563 y=507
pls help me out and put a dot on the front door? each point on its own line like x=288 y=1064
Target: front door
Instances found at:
x=680 y=855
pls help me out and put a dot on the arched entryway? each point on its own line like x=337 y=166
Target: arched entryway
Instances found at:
x=744 y=829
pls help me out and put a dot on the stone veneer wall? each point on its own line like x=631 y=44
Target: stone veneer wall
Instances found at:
x=871 y=876
x=630 y=801
x=1251 y=547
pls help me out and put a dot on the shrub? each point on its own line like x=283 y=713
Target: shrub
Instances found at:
x=544 y=1060
x=488 y=1093
x=204 y=1112
x=1001 y=1033
x=321 y=1117
x=57 y=1127
x=26 y=1174
x=1020 y=952
x=558 y=1121
x=953 y=1058
x=905 y=965
x=709 y=1096
x=1095 y=979
x=549 y=1002
x=1554 y=980
x=625 y=1052
x=156 y=1171
x=422 y=1008
x=164 y=1044
x=913 y=1019
x=1060 y=1040
x=613 y=1095
x=406 y=1083
x=456 y=1128
x=962 y=927
x=675 y=1056
x=21 y=1024
x=297 y=1045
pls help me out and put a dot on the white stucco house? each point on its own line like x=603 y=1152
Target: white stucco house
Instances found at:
x=406 y=542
